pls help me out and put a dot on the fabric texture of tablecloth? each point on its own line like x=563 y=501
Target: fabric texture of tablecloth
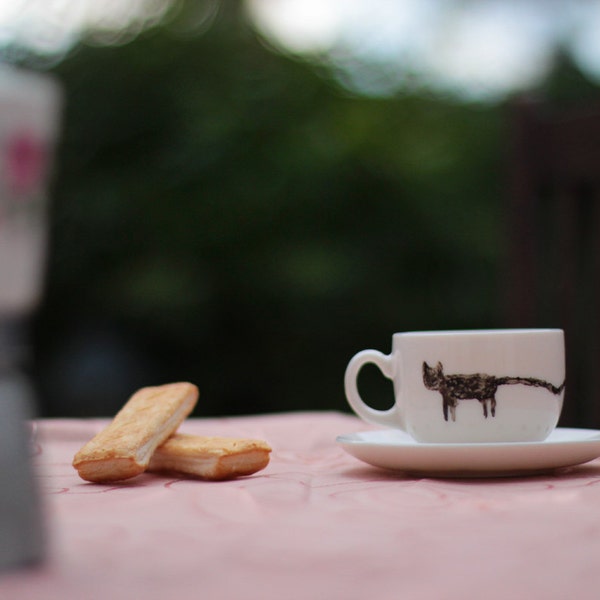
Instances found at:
x=315 y=524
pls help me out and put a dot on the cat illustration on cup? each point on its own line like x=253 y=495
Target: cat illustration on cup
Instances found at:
x=475 y=386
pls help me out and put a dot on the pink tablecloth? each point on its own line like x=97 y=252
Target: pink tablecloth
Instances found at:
x=315 y=524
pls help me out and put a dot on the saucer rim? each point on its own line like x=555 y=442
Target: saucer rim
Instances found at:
x=473 y=460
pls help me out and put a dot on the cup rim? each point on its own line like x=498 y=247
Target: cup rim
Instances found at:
x=477 y=332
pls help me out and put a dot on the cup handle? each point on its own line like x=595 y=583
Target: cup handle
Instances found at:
x=385 y=363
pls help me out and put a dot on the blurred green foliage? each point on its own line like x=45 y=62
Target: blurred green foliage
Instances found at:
x=228 y=215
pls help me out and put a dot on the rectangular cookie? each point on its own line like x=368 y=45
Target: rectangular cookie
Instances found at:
x=123 y=449
x=210 y=457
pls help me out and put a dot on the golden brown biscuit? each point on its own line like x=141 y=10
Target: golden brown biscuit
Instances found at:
x=210 y=457
x=123 y=449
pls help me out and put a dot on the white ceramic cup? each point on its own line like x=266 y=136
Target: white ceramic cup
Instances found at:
x=504 y=385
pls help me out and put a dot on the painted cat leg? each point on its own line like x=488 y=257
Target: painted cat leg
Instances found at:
x=449 y=403
x=445 y=405
x=492 y=402
x=483 y=403
x=452 y=403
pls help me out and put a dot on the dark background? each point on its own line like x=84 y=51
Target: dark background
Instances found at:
x=231 y=215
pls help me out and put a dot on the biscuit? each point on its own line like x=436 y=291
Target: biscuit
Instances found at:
x=212 y=458
x=123 y=449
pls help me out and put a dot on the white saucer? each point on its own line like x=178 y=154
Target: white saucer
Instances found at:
x=393 y=449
